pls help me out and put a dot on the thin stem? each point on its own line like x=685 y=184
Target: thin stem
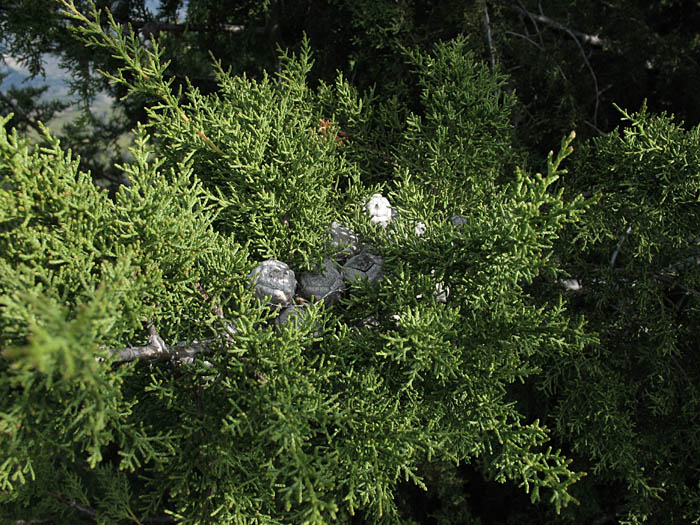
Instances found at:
x=617 y=250
x=593 y=40
x=489 y=39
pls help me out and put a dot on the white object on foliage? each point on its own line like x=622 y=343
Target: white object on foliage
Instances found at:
x=570 y=285
x=344 y=238
x=419 y=228
x=274 y=282
x=370 y=321
x=325 y=285
x=441 y=292
x=363 y=266
x=379 y=210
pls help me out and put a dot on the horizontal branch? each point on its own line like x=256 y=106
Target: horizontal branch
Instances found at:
x=157 y=350
x=669 y=280
x=82 y=509
x=183 y=352
x=575 y=285
x=148 y=27
x=593 y=40
x=92 y=513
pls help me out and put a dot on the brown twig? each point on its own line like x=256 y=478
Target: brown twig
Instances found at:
x=230 y=329
x=89 y=511
x=526 y=38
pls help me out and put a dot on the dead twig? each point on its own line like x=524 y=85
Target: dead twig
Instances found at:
x=593 y=76
x=489 y=39
x=83 y=509
x=593 y=40
x=183 y=352
x=577 y=37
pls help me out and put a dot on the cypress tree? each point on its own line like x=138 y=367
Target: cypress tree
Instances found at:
x=147 y=374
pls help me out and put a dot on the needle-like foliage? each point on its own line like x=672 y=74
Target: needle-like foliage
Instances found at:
x=317 y=421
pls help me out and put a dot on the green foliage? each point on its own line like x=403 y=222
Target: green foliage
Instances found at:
x=568 y=62
x=289 y=424
x=511 y=384
x=629 y=404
